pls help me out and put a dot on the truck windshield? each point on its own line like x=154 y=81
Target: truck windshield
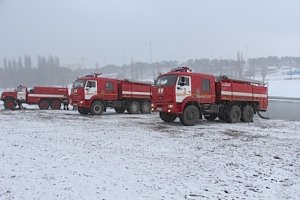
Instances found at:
x=167 y=80
x=79 y=84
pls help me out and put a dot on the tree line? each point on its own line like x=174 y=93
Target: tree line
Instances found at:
x=48 y=70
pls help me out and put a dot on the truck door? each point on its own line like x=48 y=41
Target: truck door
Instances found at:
x=21 y=93
x=90 y=89
x=183 y=88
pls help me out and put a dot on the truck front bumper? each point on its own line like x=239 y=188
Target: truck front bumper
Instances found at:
x=166 y=107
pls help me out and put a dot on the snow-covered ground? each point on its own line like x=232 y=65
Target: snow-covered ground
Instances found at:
x=63 y=155
x=284 y=88
x=281 y=84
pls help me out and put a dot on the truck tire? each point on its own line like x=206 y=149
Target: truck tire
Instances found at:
x=83 y=111
x=44 y=104
x=97 y=108
x=134 y=107
x=190 y=115
x=10 y=104
x=146 y=107
x=55 y=104
x=235 y=114
x=247 y=114
x=120 y=110
x=211 y=117
x=167 y=117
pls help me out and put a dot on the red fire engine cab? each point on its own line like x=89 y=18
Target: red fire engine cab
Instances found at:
x=93 y=94
x=189 y=96
x=44 y=97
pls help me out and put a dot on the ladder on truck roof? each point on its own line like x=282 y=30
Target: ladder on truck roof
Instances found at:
x=224 y=77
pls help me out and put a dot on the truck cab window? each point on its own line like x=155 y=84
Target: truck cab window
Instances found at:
x=91 y=84
x=205 y=85
x=166 y=80
x=109 y=86
x=184 y=81
x=79 y=83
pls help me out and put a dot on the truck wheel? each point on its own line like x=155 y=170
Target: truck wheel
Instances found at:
x=146 y=107
x=211 y=117
x=97 y=108
x=10 y=104
x=234 y=114
x=167 y=117
x=83 y=111
x=134 y=107
x=190 y=115
x=43 y=104
x=120 y=110
x=247 y=114
x=55 y=104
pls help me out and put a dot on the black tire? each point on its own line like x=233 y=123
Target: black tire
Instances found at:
x=146 y=107
x=97 y=108
x=44 y=104
x=55 y=104
x=211 y=117
x=134 y=107
x=120 y=110
x=83 y=111
x=247 y=114
x=167 y=117
x=10 y=104
x=235 y=114
x=190 y=115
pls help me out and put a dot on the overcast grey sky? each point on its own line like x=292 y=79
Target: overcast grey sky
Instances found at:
x=105 y=31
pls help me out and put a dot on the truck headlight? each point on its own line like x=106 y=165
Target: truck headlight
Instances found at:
x=170 y=106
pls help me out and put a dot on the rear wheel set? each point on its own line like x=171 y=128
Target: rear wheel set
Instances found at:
x=55 y=104
x=234 y=115
x=134 y=107
x=145 y=107
x=44 y=104
x=247 y=114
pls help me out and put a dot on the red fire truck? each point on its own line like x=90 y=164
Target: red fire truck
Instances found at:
x=40 y=95
x=93 y=94
x=189 y=96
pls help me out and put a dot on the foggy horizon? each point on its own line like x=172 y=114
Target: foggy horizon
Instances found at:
x=113 y=32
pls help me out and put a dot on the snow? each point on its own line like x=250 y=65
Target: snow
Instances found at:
x=64 y=155
x=284 y=88
x=280 y=84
